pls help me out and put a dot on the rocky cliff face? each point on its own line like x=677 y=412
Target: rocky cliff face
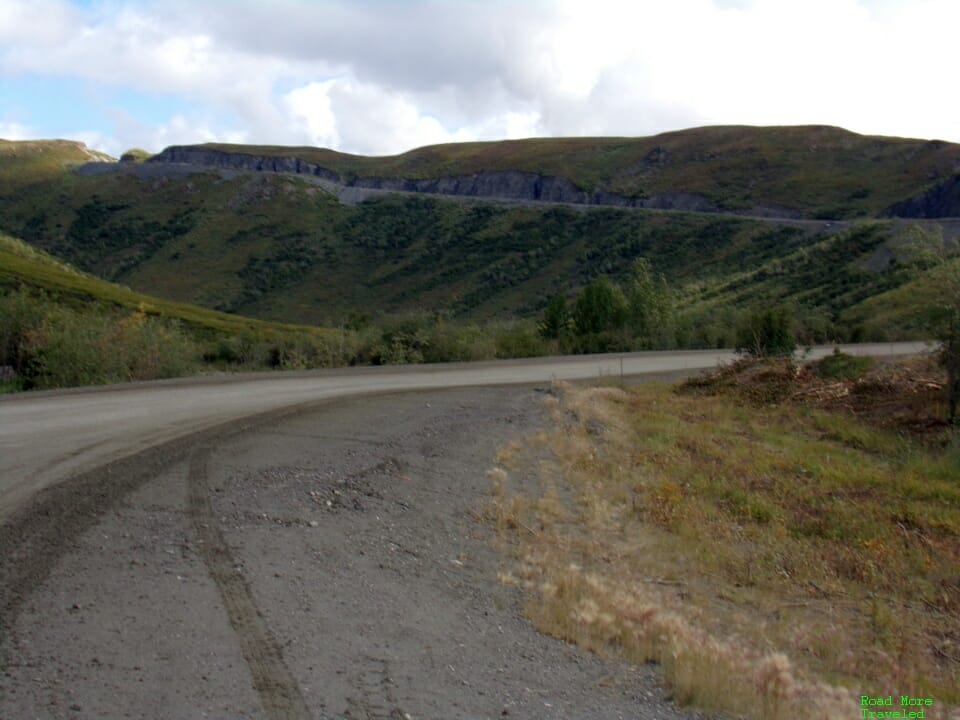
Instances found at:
x=510 y=185
x=940 y=201
x=240 y=161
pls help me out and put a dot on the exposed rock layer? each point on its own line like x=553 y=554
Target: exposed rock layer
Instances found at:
x=509 y=184
x=942 y=200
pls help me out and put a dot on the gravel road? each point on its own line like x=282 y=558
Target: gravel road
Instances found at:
x=262 y=547
x=48 y=437
x=325 y=564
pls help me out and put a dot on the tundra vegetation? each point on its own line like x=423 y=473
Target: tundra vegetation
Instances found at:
x=782 y=539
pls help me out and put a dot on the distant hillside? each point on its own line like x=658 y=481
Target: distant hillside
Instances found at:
x=25 y=162
x=61 y=328
x=809 y=171
x=281 y=246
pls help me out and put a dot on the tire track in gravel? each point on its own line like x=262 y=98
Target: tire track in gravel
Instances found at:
x=272 y=679
x=375 y=699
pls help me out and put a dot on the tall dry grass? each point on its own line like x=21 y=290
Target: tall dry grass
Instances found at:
x=761 y=556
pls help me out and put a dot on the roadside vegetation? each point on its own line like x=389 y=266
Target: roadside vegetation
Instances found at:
x=64 y=327
x=782 y=539
x=60 y=327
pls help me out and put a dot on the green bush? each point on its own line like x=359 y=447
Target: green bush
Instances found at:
x=448 y=342
x=601 y=342
x=600 y=308
x=233 y=350
x=20 y=314
x=305 y=351
x=556 y=319
x=840 y=365
x=649 y=308
x=49 y=345
x=766 y=333
x=521 y=340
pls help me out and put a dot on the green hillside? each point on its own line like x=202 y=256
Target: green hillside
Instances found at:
x=24 y=266
x=25 y=163
x=815 y=170
x=281 y=248
x=62 y=327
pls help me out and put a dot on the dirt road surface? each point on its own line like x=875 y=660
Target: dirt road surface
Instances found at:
x=329 y=564
x=324 y=559
x=48 y=437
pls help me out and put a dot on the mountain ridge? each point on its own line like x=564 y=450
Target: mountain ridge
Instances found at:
x=805 y=171
x=497 y=184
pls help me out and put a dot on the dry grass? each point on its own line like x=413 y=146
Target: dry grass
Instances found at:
x=778 y=560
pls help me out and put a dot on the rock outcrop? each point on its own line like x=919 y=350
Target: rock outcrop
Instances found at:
x=940 y=201
x=241 y=161
x=508 y=184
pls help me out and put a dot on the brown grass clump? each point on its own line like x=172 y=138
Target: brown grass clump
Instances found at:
x=778 y=560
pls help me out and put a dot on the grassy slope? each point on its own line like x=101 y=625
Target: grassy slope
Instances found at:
x=820 y=171
x=708 y=532
x=25 y=162
x=22 y=265
x=276 y=247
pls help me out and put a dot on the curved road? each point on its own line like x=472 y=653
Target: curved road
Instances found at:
x=48 y=437
x=235 y=546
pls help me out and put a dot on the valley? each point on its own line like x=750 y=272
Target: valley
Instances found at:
x=270 y=236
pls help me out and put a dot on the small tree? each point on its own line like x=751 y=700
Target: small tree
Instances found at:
x=766 y=333
x=556 y=318
x=600 y=308
x=649 y=307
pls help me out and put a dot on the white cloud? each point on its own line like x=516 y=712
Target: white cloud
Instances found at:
x=310 y=109
x=361 y=118
x=377 y=76
x=15 y=131
x=46 y=22
x=373 y=121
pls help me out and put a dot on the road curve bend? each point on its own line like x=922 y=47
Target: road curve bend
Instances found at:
x=49 y=437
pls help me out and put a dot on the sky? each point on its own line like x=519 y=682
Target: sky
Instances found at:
x=379 y=77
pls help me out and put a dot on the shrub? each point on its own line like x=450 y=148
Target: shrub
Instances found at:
x=50 y=346
x=600 y=308
x=766 y=333
x=556 y=319
x=521 y=340
x=20 y=314
x=447 y=342
x=840 y=365
x=649 y=308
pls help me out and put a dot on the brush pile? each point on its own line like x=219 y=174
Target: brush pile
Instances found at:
x=906 y=395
